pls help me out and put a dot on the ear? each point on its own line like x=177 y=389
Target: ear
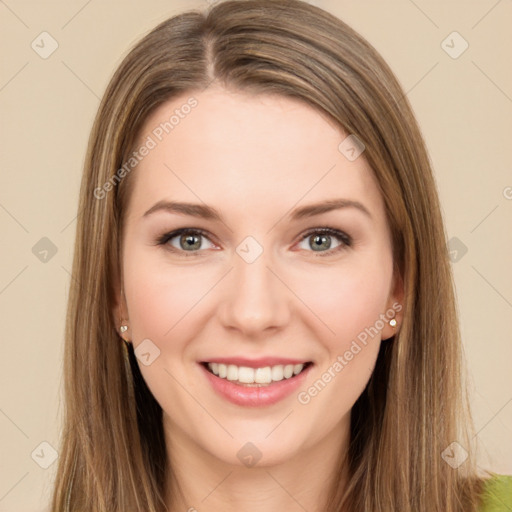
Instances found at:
x=394 y=308
x=120 y=310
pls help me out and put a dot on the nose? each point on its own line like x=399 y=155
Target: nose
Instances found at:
x=255 y=301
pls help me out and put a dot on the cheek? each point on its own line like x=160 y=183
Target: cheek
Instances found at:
x=348 y=299
x=158 y=295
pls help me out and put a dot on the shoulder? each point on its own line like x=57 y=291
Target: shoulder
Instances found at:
x=497 y=494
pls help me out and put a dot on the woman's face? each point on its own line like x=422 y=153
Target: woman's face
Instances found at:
x=252 y=284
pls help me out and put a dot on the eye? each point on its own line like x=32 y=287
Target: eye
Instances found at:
x=186 y=240
x=193 y=240
x=320 y=241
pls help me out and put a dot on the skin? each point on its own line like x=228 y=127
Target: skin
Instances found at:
x=254 y=159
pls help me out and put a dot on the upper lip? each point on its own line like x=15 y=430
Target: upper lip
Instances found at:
x=256 y=363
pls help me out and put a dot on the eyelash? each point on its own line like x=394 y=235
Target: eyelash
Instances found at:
x=346 y=240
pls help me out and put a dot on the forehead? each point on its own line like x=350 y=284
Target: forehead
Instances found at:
x=257 y=151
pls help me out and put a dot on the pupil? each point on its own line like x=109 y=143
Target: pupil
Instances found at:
x=319 y=240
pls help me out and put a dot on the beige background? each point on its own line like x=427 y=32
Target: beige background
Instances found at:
x=464 y=107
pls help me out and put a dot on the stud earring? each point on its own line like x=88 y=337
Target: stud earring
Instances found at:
x=392 y=322
x=122 y=330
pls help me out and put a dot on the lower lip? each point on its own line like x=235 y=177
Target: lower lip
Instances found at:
x=255 y=396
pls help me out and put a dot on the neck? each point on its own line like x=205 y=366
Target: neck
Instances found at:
x=199 y=481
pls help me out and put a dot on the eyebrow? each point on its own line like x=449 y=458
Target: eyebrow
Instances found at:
x=207 y=212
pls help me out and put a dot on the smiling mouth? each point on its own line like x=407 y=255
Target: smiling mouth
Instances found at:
x=255 y=377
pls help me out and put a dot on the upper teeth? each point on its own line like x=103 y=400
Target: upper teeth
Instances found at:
x=247 y=375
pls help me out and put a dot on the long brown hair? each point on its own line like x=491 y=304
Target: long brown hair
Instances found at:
x=112 y=455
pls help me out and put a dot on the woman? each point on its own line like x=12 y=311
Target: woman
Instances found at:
x=260 y=225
